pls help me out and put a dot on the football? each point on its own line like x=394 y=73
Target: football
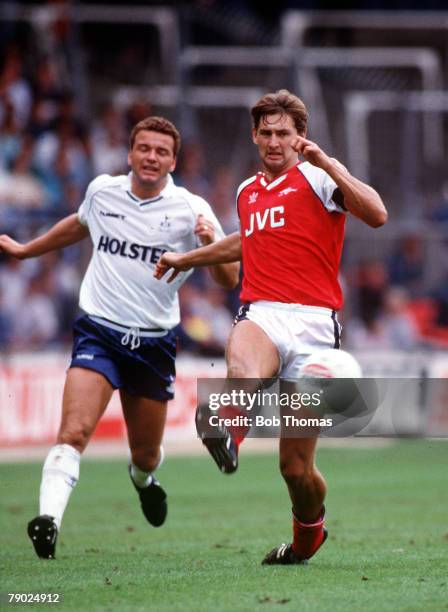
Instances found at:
x=349 y=401
x=330 y=363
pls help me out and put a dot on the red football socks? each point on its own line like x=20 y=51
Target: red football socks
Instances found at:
x=308 y=537
x=238 y=430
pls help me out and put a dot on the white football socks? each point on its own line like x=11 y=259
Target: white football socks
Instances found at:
x=59 y=476
x=143 y=479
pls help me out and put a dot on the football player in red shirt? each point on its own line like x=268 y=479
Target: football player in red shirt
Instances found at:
x=292 y=217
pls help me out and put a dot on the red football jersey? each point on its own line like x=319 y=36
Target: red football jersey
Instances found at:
x=292 y=233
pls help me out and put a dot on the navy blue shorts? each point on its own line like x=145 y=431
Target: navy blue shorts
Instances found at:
x=141 y=365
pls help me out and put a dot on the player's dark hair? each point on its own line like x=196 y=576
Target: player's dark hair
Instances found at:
x=281 y=102
x=157 y=124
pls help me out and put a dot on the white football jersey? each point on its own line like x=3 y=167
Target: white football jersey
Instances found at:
x=129 y=235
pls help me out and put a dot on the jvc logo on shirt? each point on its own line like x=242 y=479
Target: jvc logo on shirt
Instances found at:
x=271 y=217
x=131 y=250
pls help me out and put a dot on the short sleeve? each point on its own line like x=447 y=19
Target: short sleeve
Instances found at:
x=244 y=184
x=87 y=203
x=323 y=186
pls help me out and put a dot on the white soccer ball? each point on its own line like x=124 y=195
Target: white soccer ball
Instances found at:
x=330 y=363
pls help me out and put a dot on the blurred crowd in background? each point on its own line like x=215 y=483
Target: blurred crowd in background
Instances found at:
x=48 y=155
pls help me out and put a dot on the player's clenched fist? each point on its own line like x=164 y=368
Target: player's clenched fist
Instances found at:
x=204 y=230
x=311 y=152
x=314 y=155
x=167 y=262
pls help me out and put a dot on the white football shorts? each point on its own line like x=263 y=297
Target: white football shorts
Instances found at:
x=296 y=330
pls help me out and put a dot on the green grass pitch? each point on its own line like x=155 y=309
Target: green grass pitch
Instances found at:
x=387 y=510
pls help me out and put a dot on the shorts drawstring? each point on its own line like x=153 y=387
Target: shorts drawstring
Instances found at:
x=132 y=336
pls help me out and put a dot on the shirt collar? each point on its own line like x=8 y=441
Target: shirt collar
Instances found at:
x=273 y=183
x=166 y=191
x=270 y=185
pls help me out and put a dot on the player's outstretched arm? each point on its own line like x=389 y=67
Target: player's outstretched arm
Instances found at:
x=359 y=198
x=224 y=251
x=64 y=233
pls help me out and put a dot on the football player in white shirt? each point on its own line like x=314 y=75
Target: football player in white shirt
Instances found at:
x=124 y=340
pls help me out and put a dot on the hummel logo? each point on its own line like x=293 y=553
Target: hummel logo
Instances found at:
x=114 y=215
x=85 y=356
x=286 y=191
x=253 y=197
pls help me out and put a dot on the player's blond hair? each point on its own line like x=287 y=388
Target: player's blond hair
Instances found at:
x=157 y=124
x=281 y=102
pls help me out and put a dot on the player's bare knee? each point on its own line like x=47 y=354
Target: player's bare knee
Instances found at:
x=78 y=437
x=146 y=459
x=296 y=472
x=291 y=473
